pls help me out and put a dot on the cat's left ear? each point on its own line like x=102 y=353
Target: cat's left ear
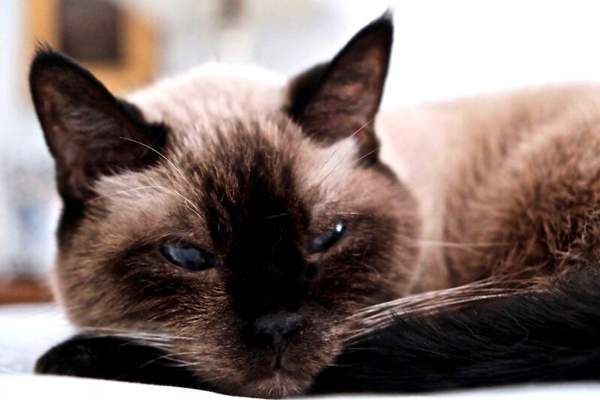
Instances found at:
x=340 y=98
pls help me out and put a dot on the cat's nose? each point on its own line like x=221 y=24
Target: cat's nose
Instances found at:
x=277 y=330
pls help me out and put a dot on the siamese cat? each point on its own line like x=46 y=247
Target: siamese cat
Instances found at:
x=229 y=231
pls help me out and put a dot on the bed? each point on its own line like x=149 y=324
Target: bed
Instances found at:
x=26 y=331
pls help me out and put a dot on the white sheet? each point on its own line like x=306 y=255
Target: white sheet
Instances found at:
x=27 y=331
x=50 y=387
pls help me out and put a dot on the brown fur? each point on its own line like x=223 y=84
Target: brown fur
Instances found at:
x=512 y=186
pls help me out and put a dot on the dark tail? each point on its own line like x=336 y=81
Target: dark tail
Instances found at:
x=552 y=335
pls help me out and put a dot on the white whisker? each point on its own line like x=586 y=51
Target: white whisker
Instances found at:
x=382 y=315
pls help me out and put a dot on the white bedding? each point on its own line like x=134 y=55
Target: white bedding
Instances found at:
x=27 y=331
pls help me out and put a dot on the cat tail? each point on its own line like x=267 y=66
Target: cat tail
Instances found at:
x=536 y=336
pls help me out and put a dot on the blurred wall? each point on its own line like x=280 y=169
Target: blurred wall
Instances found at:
x=443 y=49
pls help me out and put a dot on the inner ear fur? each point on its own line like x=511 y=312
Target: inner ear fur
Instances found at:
x=341 y=98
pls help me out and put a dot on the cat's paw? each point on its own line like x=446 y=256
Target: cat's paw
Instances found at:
x=74 y=357
x=116 y=358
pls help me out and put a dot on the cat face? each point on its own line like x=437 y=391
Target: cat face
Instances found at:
x=240 y=223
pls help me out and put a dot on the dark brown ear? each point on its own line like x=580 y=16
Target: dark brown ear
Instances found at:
x=339 y=99
x=89 y=132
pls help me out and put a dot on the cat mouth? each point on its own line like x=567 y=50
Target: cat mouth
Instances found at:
x=280 y=363
x=278 y=367
x=277 y=364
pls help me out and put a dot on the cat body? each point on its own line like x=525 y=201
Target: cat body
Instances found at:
x=233 y=231
x=505 y=183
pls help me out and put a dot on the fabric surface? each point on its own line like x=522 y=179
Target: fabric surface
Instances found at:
x=28 y=331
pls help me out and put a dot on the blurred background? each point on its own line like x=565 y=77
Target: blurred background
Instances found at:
x=443 y=49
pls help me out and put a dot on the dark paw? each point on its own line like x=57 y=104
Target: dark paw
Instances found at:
x=115 y=358
x=75 y=357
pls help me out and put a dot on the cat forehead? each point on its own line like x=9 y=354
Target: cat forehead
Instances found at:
x=227 y=125
x=211 y=92
x=241 y=163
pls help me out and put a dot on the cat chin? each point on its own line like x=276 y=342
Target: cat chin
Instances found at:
x=259 y=377
x=276 y=382
x=279 y=384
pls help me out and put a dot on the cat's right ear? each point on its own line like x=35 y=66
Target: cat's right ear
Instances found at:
x=89 y=132
x=340 y=98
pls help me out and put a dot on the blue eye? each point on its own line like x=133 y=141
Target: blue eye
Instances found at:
x=188 y=257
x=327 y=239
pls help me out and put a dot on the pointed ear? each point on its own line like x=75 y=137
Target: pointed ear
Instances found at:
x=339 y=99
x=89 y=132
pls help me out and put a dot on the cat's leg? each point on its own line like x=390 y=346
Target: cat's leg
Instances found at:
x=115 y=358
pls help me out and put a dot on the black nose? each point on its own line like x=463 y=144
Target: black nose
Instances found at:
x=277 y=330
